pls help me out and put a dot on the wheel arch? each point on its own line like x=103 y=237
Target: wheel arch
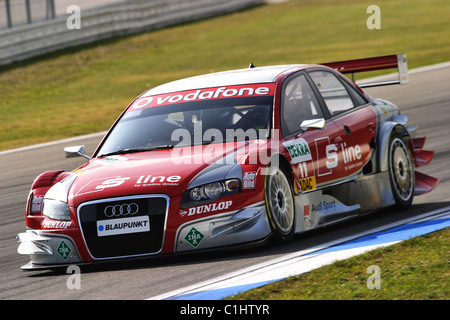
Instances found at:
x=281 y=161
x=384 y=134
x=48 y=179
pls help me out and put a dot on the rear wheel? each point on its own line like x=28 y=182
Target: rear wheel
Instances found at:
x=280 y=204
x=401 y=171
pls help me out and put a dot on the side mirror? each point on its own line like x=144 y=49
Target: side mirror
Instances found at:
x=313 y=123
x=76 y=151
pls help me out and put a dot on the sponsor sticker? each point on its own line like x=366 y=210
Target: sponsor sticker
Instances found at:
x=212 y=207
x=308 y=184
x=306 y=210
x=324 y=206
x=55 y=224
x=149 y=181
x=98 y=185
x=36 y=204
x=110 y=160
x=194 y=237
x=110 y=183
x=249 y=90
x=298 y=150
x=123 y=226
x=63 y=250
x=249 y=180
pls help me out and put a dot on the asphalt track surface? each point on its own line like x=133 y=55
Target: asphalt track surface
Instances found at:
x=425 y=99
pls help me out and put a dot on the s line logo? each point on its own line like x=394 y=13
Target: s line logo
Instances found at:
x=328 y=157
x=98 y=185
x=110 y=183
x=349 y=154
x=331 y=152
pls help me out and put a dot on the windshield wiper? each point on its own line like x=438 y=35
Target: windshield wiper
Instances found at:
x=135 y=150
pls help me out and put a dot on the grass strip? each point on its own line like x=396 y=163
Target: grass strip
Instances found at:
x=414 y=269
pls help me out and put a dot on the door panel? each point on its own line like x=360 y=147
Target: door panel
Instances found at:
x=312 y=157
x=357 y=129
x=349 y=150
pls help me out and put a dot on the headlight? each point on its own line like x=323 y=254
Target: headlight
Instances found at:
x=213 y=190
x=55 y=200
x=56 y=210
x=209 y=192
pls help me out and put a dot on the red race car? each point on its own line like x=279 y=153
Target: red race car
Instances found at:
x=230 y=158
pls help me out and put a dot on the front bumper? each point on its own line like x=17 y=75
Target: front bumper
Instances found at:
x=247 y=225
x=47 y=250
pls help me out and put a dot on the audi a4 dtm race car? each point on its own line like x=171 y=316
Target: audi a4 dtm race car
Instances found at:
x=230 y=158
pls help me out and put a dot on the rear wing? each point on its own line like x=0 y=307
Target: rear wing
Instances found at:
x=371 y=64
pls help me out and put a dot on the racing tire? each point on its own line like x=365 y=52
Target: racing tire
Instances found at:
x=280 y=204
x=401 y=171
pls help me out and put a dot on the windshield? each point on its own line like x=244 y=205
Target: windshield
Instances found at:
x=189 y=124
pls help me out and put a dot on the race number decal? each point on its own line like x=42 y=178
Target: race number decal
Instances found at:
x=301 y=157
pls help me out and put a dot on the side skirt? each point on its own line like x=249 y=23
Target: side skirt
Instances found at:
x=343 y=201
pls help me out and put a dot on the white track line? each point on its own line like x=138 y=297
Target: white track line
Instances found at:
x=297 y=262
x=52 y=143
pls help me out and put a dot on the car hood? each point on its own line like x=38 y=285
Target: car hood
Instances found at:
x=168 y=172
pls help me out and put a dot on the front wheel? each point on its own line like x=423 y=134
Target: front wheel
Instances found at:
x=401 y=171
x=280 y=204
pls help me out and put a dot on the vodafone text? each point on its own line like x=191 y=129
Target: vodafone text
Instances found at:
x=204 y=94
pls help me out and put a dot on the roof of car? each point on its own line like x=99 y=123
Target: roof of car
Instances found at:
x=225 y=78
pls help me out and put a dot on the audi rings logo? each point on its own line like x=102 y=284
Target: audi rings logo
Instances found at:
x=117 y=210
